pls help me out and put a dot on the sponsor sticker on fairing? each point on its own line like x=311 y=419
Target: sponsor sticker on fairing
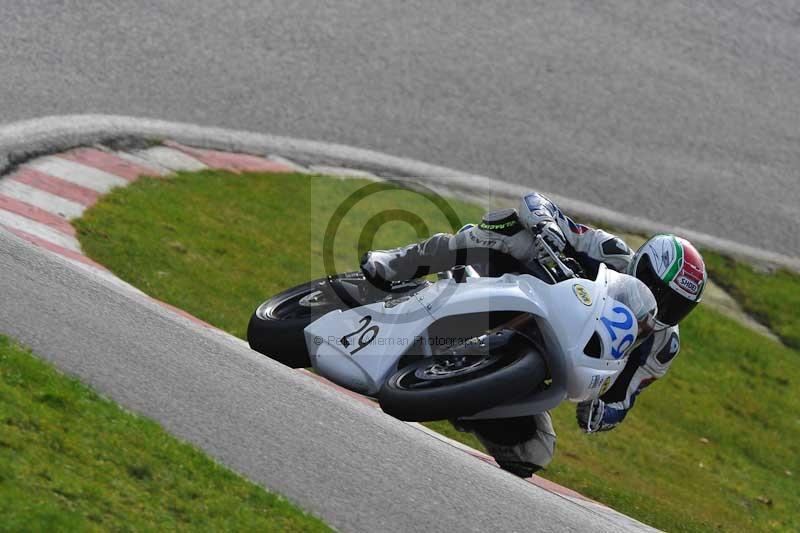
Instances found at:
x=604 y=383
x=582 y=294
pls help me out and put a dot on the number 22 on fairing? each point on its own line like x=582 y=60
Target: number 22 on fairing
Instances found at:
x=617 y=328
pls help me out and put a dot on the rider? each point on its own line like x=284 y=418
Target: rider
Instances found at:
x=504 y=242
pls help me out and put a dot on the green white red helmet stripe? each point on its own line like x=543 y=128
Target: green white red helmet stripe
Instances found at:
x=690 y=279
x=677 y=263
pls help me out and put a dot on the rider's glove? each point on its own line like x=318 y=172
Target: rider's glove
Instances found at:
x=374 y=266
x=552 y=235
x=595 y=415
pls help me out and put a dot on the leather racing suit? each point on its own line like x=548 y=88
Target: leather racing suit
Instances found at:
x=501 y=243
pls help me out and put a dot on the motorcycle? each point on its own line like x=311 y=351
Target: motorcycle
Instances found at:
x=464 y=346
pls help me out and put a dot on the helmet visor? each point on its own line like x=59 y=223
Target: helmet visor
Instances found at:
x=646 y=325
x=672 y=307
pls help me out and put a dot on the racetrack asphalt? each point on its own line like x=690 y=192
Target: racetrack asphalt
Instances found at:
x=357 y=469
x=683 y=112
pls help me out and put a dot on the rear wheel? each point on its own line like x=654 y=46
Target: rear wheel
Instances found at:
x=276 y=327
x=472 y=378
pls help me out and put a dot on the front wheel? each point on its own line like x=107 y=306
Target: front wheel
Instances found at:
x=464 y=382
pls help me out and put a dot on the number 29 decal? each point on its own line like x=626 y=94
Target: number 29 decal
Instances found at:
x=368 y=334
x=618 y=328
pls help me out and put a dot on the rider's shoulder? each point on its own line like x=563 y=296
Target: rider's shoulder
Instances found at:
x=613 y=246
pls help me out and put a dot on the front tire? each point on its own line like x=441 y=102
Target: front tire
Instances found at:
x=449 y=386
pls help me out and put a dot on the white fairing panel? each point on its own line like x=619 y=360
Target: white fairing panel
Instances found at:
x=612 y=321
x=360 y=348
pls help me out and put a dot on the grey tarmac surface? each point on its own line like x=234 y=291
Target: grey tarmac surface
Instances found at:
x=682 y=112
x=348 y=463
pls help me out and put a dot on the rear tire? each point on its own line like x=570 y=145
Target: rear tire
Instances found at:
x=424 y=391
x=276 y=327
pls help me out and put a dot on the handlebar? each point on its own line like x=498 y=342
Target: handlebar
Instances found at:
x=542 y=244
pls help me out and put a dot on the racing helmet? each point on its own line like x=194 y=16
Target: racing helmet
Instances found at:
x=675 y=273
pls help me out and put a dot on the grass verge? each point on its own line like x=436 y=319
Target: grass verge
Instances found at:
x=73 y=461
x=712 y=446
x=773 y=298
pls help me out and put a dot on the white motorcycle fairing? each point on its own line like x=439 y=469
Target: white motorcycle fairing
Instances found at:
x=360 y=348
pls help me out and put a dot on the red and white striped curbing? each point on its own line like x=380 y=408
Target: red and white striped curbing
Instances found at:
x=38 y=199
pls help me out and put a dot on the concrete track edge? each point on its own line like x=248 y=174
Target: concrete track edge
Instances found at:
x=22 y=140
x=339 y=459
